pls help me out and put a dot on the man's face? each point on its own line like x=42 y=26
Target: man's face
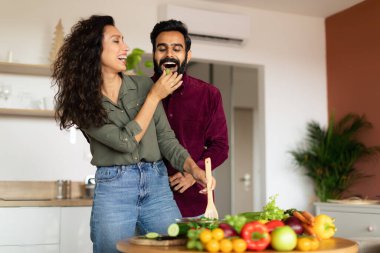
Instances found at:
x=170 y=53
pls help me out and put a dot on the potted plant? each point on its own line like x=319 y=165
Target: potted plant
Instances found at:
x=330 y=154
x=134 y=62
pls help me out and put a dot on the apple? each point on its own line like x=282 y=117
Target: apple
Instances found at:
x=283 y=239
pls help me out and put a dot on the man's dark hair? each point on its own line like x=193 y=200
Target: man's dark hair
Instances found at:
x=170 y=25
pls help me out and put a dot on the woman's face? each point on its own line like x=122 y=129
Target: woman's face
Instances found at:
x=114 y=53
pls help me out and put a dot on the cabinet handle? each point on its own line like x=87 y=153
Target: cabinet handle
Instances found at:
x=370 y=228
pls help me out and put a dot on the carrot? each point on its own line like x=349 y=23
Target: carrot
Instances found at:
x=309 y=229
x=299 y=216
x=309 y=217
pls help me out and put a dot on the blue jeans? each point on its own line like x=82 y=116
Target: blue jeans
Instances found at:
x=129 y=196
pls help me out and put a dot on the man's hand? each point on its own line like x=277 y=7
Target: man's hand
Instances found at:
x=180 y=182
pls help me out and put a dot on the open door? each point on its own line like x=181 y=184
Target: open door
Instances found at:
x=243 y=160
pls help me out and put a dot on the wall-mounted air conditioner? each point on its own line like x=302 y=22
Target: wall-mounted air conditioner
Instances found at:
x=210 y=25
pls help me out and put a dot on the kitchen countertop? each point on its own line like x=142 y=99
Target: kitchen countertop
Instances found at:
x=40 y=194
x=46 y=202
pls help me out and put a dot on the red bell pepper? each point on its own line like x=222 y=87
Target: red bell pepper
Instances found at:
x=256 y=235
x=271 y=225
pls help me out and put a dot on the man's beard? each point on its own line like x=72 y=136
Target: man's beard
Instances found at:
x=180 y=67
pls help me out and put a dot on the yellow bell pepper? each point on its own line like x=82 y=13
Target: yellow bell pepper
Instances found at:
x=324 y=226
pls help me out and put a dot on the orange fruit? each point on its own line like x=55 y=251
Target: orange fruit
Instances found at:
x=205 y=236
x=239 y=245
x=225 y=245
x=217 y=234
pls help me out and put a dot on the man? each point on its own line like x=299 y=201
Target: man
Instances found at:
x=195 y=113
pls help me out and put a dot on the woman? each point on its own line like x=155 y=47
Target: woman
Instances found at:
x=125 y=123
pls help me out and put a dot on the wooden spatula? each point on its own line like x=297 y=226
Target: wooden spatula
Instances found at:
x=211 y=211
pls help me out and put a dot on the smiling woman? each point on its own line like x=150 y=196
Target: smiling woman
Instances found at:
x=115 y=112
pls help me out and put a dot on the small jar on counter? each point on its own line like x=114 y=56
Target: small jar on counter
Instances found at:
x=59 y=189
x=67 y=189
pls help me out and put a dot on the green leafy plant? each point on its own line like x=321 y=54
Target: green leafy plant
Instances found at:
x=331 y=154
x=134 y=62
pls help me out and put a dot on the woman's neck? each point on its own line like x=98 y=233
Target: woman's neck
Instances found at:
x=111 y=86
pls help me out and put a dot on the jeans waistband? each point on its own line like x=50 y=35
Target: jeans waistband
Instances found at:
x=139 y=164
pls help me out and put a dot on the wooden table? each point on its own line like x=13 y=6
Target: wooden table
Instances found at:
x=333 y=245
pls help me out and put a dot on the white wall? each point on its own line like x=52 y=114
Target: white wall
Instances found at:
x=289 y=48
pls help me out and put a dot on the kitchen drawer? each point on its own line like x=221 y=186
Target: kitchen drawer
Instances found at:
x=29 y=226
x=356 y=224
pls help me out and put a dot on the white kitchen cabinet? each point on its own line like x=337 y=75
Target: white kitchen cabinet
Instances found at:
x=30 y=249
x=29 y=226
x=75 y=230
x=45 y=229
x=359 y=222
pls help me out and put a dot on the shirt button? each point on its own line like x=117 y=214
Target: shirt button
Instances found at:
x=135 y=158
x=181 y=93
x=121 y=111
x=137 y=104
x=126 y=139
x=171 y=115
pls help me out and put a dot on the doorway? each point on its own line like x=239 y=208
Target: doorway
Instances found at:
x=239 y=88
x=242 y=193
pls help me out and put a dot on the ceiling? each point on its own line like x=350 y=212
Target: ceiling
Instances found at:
x=317 y=8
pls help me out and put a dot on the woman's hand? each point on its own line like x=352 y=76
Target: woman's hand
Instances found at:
x=165 y=85
x=198 y=174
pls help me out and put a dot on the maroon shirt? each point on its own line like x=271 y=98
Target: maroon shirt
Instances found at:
x=195 y=113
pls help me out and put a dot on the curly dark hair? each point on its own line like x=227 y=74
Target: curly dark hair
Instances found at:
x=170 y=25
x=77 y=74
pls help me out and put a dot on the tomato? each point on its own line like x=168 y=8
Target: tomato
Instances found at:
x=307 y=244
x=304 y=244
x=324 y=226
x=225 y=245
x=205 y=236
x=217 y=234
x=239 y=245
x=271 y=225
x=314 y=243
x=191 y=244
x=212 y=246
x=192 y=234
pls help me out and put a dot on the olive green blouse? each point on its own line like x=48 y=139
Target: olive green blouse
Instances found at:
x=114 y=143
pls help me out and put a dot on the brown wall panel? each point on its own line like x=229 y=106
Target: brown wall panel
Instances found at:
x=353 y=75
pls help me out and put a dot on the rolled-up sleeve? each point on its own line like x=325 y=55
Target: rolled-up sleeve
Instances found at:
x=170 y=147
x=119 y=139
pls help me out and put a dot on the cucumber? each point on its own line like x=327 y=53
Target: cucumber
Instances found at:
x=178 y=229
x=152 y=235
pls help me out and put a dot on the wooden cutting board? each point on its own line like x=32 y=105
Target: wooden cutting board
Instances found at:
x=160 y=241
